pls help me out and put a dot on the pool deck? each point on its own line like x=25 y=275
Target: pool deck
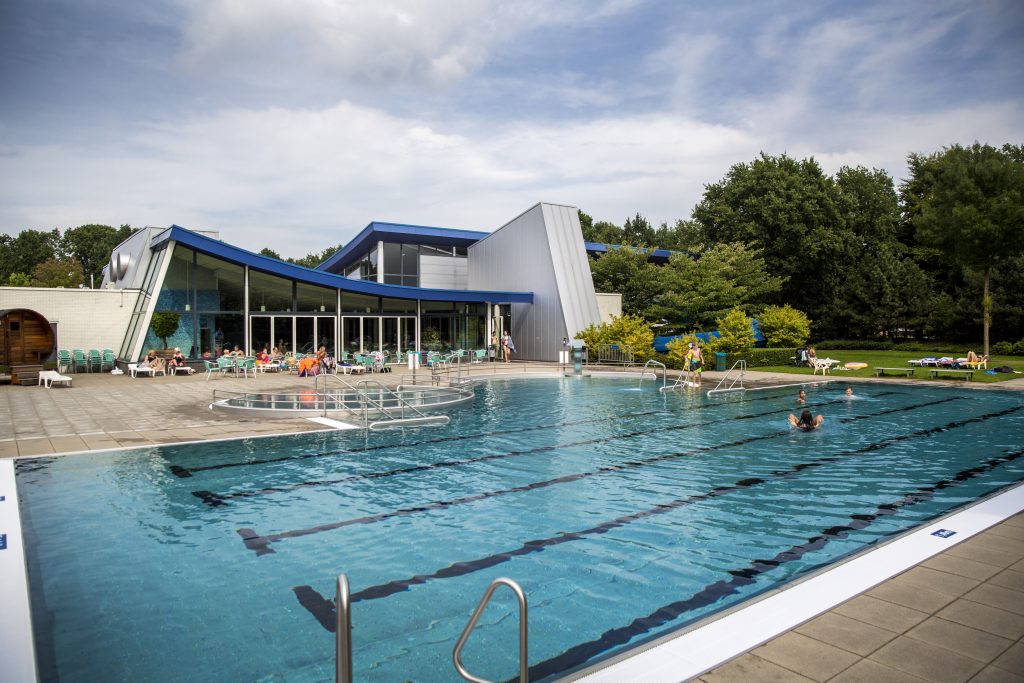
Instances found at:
x=958 y=616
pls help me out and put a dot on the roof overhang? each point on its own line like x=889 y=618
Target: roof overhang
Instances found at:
x=397 y=232
x=228 y=252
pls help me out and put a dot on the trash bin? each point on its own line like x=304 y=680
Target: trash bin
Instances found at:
x=720 y=361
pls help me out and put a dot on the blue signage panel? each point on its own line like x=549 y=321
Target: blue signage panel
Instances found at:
x=943 y=533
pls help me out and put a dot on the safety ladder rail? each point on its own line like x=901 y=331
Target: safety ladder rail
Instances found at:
x=524 y=660
x=664 y=373
x=368 y=402
x=740 y=364
x=342 y=633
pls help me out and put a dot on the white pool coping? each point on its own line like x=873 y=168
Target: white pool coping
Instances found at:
x=702 y=649
x=17 y=649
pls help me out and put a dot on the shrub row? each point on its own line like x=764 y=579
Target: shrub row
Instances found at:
x=1007 y=348
x=760 y=358
x=878 y=345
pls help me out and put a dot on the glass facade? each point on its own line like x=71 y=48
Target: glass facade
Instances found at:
x=208 y=294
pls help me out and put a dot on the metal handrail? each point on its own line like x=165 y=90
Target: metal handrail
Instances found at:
x=343 y=633
x=664 y=372
x=524 y=661
x=742 y=365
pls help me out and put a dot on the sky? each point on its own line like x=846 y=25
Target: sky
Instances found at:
x=293 y=124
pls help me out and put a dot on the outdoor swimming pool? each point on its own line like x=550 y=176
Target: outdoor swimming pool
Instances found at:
x=622 y=512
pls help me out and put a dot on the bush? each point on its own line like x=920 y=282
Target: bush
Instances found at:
x=1008 y=348
x=679 y=347
x=626 y=330
x=737 y=332
x=761 y=358
x=164 y=324
x=784 y=326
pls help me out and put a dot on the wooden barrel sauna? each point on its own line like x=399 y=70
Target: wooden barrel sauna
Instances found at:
x=26 y=337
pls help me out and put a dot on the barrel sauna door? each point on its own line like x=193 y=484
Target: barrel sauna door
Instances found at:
x=27 y=337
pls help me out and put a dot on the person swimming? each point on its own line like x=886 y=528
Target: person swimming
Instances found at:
x=801 y=397
x=806 y=422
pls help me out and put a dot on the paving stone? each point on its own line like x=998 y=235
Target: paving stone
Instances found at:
x=1007 y=531
x=961 y=639
x=985 y=618
x=999 y=558
x=991 y=674
x=806 y=656
x=846 y=633
x=962 y=567
x=993 y=542
x=886 y=615
x=927 y=661
x=68 y=444
x=912 y=595
x=998 y=596
x=748 y=668
x=1012 y=659
x=868 y=671
x=938 y=581
x=1009 y=578
x=34 y=446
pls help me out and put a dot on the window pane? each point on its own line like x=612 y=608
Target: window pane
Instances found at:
x=392 y=264
x=219 y=284
x=260 y=333
x=398 y=306
x=314 y=298
x=219 y=331
x=351 y=332
x=359 y=303
x=304 y=340
x=325 y=333
x=269 y=292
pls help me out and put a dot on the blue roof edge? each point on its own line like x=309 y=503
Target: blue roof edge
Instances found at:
x=274 y=266
x=420 y=234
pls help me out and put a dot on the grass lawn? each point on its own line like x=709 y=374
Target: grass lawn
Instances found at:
x=898 y=359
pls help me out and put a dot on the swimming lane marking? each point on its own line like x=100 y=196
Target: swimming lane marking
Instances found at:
x=261 y=543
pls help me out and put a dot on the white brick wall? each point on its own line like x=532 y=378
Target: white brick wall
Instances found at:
x=86 y=318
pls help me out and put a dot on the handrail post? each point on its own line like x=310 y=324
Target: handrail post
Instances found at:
x=343 y=634
x=524 y=660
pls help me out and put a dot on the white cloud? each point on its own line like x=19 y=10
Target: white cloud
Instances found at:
x=385 y=42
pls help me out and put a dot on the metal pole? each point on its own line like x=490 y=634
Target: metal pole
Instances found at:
x=343 y=634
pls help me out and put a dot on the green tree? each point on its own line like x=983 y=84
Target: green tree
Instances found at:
x=638 y=231
x=784 y=326
x=58 y=273
x=19 y=280
x=314 y=258
x=92 y=245
x=683 y=236
x=30 y=248
x=164 y=324
x=697 y=291
x=971 y=210
x=790 y=211
x=626 y=271
x=626 y=330
x=267 y=251
x=737 y=332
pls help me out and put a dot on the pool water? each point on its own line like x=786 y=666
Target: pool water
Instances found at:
x=623 y=513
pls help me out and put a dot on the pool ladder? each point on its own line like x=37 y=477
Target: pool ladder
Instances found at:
x=366 y=403
x=664 y=373
x=343 y=632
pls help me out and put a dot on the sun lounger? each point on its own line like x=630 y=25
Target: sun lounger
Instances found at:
x=47 y=378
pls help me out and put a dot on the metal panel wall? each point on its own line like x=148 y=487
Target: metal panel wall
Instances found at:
x=443 y=272
x=541 y=251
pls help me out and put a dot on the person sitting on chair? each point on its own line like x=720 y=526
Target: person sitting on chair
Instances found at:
x=806 y=422
x=176 y=361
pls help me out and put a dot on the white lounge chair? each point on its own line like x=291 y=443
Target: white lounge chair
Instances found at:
x=48 y=377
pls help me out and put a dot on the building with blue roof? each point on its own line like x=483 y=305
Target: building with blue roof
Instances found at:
x=392 y=288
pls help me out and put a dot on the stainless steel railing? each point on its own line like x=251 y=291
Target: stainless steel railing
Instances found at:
x=343 y=633
x=664 y=372
x=524 y=662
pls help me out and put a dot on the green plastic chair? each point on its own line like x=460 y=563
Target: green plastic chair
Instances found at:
x=107 y=363
x=80 y=361
x=63 y=360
